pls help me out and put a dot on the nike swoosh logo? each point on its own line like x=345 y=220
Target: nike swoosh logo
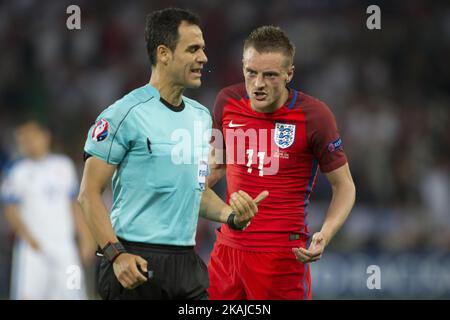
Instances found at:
x=235 y=125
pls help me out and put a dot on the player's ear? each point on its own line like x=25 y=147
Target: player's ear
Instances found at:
x=290 y=74
x=163 y=54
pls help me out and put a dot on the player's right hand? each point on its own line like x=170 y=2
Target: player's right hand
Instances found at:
x=126 y=270
x=245 y=207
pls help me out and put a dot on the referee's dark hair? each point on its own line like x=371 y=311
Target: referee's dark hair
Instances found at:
x=161 y=28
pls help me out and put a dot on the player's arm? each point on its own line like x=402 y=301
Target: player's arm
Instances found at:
x=341 y=204
x=13 y=217
x=342 y=201
x=212 y=206
x=96 y=177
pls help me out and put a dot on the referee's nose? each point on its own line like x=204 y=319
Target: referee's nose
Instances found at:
x=202 y=58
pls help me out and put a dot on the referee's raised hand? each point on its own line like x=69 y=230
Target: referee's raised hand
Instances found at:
x=245 y=207
x=126 y=270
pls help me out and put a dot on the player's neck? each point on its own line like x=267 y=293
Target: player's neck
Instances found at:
x=167 y=90
x=38 y=156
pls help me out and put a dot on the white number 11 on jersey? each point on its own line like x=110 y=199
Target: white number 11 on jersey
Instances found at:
x=261 y=156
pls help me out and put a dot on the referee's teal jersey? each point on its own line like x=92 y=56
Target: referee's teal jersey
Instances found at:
x=161 y=156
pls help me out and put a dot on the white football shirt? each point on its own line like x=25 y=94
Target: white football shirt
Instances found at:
x=44 y=191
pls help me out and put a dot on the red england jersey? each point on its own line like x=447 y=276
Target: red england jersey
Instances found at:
x=279 y=152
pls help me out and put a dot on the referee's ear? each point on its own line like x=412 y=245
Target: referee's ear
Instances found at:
x=163 y=54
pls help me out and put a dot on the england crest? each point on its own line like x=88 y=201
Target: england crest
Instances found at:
x=100 y=131
x=284 y=135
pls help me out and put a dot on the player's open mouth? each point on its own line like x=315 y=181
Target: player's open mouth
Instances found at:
x=260 y=95
x=197 y=71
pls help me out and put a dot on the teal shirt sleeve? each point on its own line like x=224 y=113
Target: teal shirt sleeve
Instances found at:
x=108 y=138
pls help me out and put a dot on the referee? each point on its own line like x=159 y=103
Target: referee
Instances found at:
x=158 y=177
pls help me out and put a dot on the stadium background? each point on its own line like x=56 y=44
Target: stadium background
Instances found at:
x=389 y=90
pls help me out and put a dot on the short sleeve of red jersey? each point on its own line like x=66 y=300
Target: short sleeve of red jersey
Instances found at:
x=218 y=108
x=323 y=136
x=217 y=140
x=225 y=96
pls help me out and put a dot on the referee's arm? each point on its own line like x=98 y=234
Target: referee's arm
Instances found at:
x=96 y=177
x=212 y=206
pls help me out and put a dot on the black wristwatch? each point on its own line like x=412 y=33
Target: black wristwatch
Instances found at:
x=232 y=225
x=112 y=250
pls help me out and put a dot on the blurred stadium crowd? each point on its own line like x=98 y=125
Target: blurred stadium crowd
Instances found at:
x=389 y=90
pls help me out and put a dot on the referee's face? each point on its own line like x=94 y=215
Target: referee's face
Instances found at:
x=188 y=58
x=266 y=76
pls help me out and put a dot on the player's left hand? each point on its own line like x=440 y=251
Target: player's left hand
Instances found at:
x=315 y=250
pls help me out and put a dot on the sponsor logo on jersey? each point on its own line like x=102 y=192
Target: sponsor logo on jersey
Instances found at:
x=235 y=125
x=100 y=131
x=284 y=135
x=335 y=145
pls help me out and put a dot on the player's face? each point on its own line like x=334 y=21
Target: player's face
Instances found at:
x=266 y=76
x=188 y=57
x=33 y=141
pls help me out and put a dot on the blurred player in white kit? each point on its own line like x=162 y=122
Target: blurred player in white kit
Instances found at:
x=38 y=194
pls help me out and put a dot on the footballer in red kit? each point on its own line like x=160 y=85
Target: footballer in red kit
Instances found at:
x=271 y=137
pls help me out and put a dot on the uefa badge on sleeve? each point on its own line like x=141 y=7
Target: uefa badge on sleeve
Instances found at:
x=100 y=131
x=335 y=145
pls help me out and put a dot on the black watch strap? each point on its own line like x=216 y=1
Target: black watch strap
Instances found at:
x=112 y=250
x=230 y=222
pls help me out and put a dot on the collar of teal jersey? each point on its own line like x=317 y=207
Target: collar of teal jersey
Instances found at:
x=152 y=91
x=171 y=106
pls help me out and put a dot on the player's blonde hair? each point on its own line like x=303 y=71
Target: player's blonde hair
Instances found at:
x=270 y=39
